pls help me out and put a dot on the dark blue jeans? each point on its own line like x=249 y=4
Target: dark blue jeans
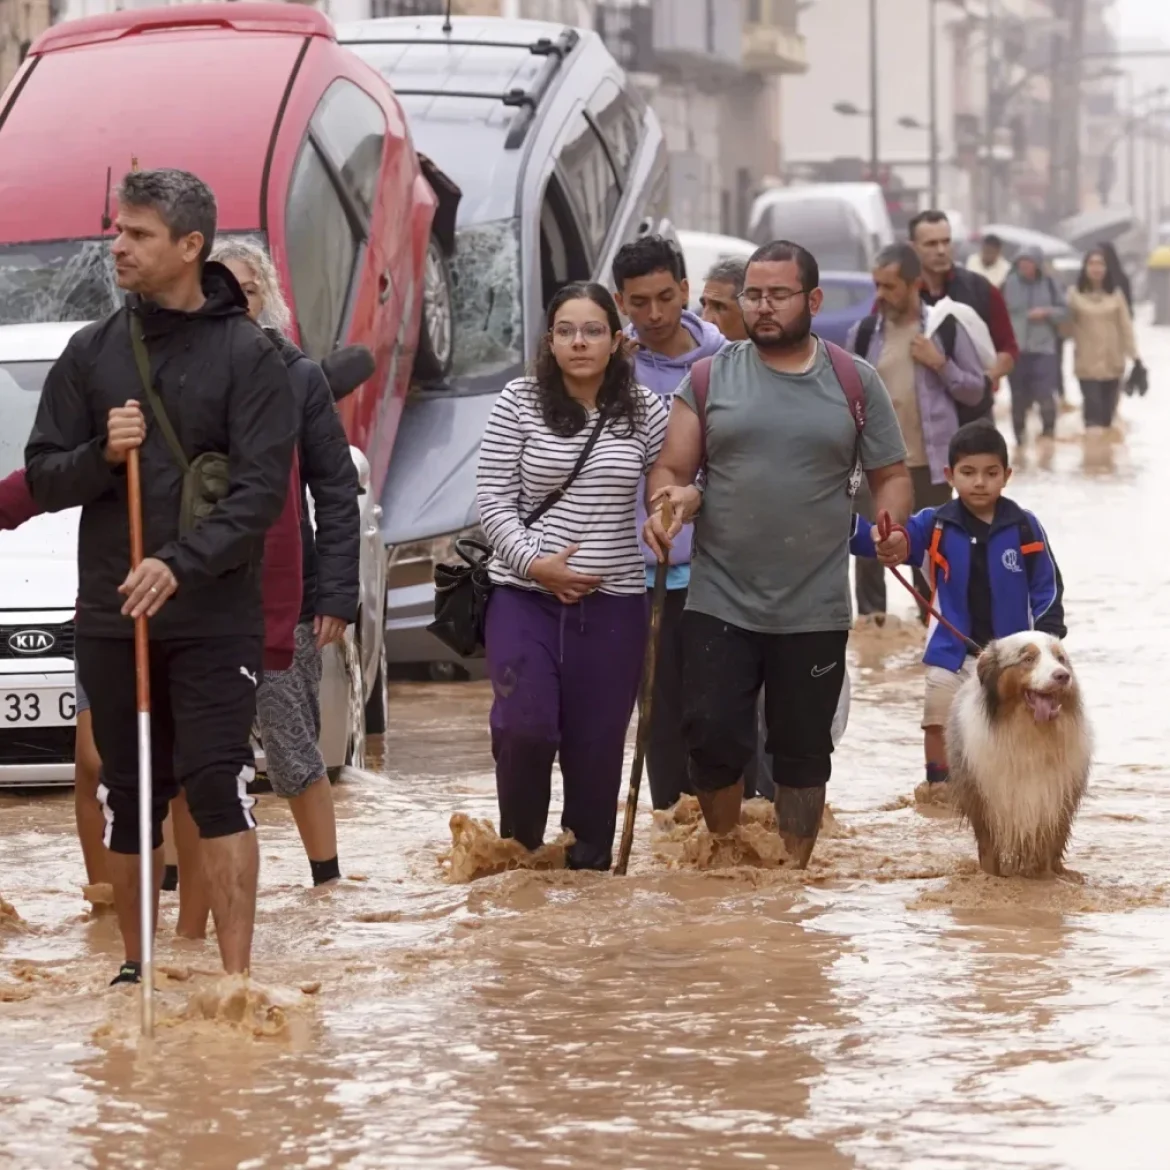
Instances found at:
x=565 y=680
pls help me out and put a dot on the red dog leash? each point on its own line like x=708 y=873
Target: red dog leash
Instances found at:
x=886 y=528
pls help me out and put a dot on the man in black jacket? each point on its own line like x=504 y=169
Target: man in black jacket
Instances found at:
x=225 y=390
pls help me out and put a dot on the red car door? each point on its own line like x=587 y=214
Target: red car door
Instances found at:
x=345 y=205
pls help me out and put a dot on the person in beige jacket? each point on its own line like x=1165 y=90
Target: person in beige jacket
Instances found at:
x=1101 y=329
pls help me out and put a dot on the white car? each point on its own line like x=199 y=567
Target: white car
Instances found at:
x=38 y=591
x=702 y=251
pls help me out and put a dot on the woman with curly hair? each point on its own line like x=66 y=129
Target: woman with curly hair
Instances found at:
x=566 y=624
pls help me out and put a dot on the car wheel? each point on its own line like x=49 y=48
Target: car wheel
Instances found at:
x=436 y=332
x=355 y=747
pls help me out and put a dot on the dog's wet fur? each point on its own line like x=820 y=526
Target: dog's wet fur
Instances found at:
x=1020 y=750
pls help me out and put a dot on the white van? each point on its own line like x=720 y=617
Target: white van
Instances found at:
x=845 y=225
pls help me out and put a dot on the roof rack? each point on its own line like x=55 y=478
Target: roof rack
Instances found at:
x=541 y=48
x=514 y=97
x=556 y=52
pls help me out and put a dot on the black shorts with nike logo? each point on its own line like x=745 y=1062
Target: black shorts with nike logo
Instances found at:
x=203 y=705
x=724 y=668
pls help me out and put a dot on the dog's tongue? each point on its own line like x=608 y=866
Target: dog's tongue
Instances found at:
x=1044 y=708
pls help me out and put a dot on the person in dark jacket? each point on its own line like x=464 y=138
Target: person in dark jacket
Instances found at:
x=224 y=389
x=288 y=701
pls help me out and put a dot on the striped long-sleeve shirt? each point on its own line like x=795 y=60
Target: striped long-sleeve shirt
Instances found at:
x=521 y=462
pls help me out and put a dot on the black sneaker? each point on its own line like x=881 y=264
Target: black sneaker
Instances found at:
x=128 y=973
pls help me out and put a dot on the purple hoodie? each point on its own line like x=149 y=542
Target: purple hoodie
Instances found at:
x=663 y=375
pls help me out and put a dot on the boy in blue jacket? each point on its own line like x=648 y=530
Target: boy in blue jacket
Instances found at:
x=990 y=567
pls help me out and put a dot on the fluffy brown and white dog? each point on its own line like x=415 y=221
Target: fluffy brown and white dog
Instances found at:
x=1020 y=749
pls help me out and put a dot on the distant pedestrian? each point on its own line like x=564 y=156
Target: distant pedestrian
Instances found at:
x=720 y=299
x=777 y=431
x=669 y=339
x=560 y=465
x=215 y=378
x=989 y=261
x=1038 y=311
x=1117 y=273
x=930 y=233
x=927 y=378
x=1103 y=339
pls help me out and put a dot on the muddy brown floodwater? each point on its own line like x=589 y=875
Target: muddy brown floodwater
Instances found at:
x=891 y=1008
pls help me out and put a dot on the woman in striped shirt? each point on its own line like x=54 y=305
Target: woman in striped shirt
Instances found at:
x=566 y=624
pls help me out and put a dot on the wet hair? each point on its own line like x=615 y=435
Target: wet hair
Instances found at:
x=645 y=255
x=618 y=397
x=992 y=239
x=1109 y=284
x=779 y=250
x=931 y=215
x=183 y=201
x=904 y=258
x=980 y=437
x=276 y=313
x=729 y=270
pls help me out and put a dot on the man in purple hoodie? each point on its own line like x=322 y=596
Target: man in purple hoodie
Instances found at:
x=652 y=292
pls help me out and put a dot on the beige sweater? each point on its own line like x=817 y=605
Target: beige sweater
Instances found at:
x=1102 y=334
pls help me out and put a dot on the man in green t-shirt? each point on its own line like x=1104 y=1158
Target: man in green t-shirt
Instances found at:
x=769 y=597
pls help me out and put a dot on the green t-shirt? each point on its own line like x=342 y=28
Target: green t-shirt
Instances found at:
x=771 y=551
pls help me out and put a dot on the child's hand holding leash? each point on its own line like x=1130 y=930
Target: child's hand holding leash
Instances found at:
x=891 y=542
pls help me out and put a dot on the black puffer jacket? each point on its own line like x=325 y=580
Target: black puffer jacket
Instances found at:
x=331 y=553
x=225 y=389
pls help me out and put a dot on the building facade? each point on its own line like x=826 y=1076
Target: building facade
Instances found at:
x=21 y=22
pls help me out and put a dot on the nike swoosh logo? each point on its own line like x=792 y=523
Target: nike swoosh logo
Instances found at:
x=821 y=671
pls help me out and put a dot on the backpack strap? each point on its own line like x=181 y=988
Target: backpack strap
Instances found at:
x=1030 y=544
x=864 y=338
x=936 y=559
x=948 y=333
x=701 y=385
x=142 y=361
x=850 y=378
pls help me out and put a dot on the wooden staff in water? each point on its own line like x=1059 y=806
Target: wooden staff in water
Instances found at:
x=645 y=702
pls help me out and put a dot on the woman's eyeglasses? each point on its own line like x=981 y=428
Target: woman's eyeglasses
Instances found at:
x=591 y=331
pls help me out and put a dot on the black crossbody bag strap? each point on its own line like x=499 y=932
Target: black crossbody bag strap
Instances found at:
x=142 y=360
x=554 y=497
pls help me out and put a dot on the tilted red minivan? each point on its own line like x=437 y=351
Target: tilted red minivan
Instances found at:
x=304 y=146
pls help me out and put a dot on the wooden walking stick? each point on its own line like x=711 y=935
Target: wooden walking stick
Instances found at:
x=645 y=702
x=145 y=780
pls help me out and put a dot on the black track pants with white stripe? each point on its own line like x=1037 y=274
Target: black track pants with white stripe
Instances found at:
x=203 y=704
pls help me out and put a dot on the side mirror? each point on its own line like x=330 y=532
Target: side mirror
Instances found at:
x=347 y=368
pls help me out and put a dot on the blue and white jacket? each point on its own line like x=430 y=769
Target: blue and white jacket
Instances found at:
x=1027 y=592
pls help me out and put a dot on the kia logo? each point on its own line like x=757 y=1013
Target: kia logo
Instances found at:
x=31 y=641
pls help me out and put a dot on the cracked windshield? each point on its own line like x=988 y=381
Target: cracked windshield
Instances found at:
x=642 y=645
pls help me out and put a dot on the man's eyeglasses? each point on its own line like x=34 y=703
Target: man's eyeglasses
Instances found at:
x=591 y=331
x=777 y=298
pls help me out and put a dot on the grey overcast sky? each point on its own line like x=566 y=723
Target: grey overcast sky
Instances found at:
x=1143 y=18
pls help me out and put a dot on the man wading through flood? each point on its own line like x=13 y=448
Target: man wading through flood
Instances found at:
x=225 y=391
x=769 y=594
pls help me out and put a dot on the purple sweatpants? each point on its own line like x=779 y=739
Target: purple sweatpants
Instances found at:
x=565 y=679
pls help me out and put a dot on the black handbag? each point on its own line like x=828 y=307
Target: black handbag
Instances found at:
x=462 y=590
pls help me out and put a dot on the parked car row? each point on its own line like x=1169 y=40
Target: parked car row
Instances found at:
x=535 y=161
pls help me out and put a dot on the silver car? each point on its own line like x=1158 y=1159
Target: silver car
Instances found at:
x=560 y=161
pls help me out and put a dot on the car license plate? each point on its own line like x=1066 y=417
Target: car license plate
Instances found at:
x=52 y=707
